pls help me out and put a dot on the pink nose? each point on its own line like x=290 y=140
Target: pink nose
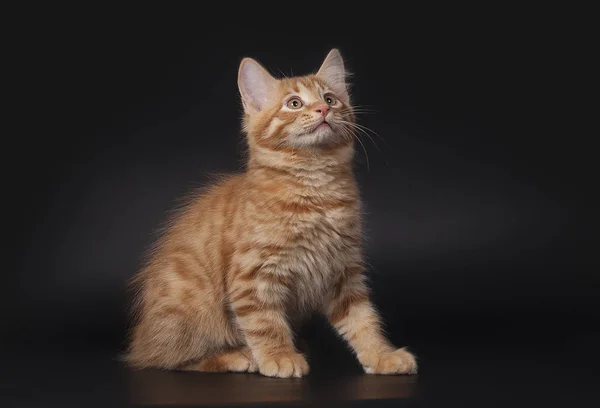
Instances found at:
x=322 y=109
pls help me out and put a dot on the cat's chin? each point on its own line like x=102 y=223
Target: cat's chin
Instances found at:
x=322 y=136
x=323 y=132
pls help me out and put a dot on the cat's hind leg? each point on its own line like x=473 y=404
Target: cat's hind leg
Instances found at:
x=237 y=360
x=181 y=318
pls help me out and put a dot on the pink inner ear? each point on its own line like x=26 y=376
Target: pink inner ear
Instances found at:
x=334 y=73
x=256 y=84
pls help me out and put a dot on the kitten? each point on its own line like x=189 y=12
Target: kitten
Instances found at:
x=244 y=262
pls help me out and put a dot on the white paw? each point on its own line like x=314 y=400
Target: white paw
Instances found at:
x=392 y=362
x=284 y=366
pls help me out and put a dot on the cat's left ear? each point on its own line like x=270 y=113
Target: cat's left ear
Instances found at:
x=256 y=85
x=334 y=73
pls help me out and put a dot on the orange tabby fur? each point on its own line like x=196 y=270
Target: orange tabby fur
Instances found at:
x=246 y=260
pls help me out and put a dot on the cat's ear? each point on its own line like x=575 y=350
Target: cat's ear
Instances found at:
x=256 y=85
x=334 y=73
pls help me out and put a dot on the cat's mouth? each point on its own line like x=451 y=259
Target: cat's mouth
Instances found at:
x=321 y=125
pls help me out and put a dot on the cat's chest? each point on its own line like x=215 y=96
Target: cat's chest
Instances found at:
x=320 y=250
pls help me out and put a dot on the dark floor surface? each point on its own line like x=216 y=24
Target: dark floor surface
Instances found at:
x=461 y=364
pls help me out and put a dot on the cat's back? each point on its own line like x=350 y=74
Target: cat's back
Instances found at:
x=194 y=239
x=207 y=208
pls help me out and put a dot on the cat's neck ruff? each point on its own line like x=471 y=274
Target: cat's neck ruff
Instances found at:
x=311 y=170
x=330 y=160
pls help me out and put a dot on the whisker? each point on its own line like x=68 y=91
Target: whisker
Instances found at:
x=371 y=131
x=348 y=130
x=358 y=109
x=282 y=73
x=364 y=130
x=356 y=112
x=363 y=106
x=365 y=150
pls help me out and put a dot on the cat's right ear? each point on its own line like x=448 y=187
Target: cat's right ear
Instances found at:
x=256 y=85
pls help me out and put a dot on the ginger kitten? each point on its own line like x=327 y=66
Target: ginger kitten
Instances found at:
x=244 y=262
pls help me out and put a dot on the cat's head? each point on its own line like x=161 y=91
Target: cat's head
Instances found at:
x=310 y=113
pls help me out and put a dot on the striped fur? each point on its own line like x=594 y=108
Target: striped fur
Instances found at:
x=242 y=263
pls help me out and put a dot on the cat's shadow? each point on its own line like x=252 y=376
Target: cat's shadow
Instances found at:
x=335 y=375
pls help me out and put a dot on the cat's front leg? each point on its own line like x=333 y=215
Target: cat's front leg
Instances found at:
x=353 y=315
x=258 y=300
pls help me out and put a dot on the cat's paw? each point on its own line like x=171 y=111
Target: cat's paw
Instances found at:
x=251 y=366
x=391 y=362
x=284 y=365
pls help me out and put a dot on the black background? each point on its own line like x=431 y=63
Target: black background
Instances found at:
x=472 y=195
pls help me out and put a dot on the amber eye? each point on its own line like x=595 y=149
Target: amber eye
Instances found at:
x=330 y=99
x=294 y=103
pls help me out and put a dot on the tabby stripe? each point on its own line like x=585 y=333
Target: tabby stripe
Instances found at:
x=268 y=332
x=276 y=279
x=246 y=293
x=170 y=311
x=250 y=274
x=245 y=310
x=342 y=306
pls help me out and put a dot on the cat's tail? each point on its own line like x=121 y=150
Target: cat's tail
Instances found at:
x=123 y=358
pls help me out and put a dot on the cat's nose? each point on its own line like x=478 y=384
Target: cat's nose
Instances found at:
x=322 y=108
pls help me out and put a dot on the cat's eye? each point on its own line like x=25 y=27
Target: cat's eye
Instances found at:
x=330 y=99
x=294 y=103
